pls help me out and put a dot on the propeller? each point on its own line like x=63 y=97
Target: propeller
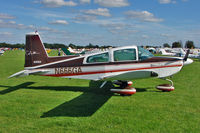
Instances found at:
x=186 y=55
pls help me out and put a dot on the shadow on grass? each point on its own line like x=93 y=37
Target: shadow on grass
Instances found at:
x=141 y=89
x=148 y=89
x=82 y=106
x=14 y=88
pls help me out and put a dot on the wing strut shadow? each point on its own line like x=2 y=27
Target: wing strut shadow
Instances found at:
x=84 y=105
x=14 y=88
x=81 y=106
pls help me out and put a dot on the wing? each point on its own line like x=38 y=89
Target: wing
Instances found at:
x=131 y=75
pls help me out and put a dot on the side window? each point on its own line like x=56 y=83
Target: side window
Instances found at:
x=125 y=55
x=98 y=58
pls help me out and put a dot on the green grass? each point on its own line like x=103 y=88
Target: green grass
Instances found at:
x=54 y=52
x=48 y=104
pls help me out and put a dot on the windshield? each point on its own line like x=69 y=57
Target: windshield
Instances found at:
x=125 y=54
x=144 y=54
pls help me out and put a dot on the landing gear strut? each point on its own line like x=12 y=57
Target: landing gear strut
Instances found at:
x=123 y=84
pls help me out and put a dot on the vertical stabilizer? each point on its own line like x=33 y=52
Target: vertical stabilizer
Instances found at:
x=35 y=51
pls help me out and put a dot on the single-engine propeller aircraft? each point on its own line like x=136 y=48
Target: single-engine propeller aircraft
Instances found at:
x=116 y=64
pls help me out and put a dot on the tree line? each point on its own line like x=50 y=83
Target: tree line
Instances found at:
x=6 y=45
x=179 y=44
x=88 y=46
x=53 y=46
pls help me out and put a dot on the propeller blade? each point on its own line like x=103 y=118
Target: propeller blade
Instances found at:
x=186 y=55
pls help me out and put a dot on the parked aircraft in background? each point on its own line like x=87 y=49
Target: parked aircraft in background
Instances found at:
x=66 y=52
x=1 y=52
x=179 y=52
x=75 y=51
x=166 y=52
x=121 y=64
x=152 y=50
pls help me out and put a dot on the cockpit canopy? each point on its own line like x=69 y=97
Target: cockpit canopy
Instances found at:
x=122 y=54
x=144 y=54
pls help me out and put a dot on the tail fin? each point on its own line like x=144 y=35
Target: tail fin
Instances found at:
x=66 y=51
x=35 y=51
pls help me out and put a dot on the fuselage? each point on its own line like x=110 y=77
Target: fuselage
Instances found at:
x=100 y=66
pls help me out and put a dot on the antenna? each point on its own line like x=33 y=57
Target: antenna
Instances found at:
x=35 y=28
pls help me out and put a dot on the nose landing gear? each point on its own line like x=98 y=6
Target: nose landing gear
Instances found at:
x=166 y=87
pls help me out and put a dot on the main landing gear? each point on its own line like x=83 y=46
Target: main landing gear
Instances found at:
x=166 y=87
x=124 y=88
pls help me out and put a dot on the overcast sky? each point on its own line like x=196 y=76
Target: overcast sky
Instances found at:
x=101 y=22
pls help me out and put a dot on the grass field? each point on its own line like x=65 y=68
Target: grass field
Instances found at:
x=48 y=104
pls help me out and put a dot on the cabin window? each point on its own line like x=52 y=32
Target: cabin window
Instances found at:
x=144 y=54
x=125 y=55
x=98 y=58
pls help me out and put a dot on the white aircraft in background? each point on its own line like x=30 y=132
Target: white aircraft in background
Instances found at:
x=181 y=53
x=177 y=52
x=1 y=52
x=166 y=52
x=121 y=64
x=75 y=51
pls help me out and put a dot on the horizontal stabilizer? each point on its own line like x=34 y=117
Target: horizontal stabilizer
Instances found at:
x=29 y=72
x=38 y=72
x=18 y=74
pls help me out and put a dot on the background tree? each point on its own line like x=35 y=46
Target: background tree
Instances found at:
x=54 y=46
x=177 y=44
x=189 y=44
x=11 y=45
x=166 y=45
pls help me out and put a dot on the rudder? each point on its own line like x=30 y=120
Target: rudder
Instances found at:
x=35 y=53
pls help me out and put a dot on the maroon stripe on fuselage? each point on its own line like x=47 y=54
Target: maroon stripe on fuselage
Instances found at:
x=109 y=71
x=79 y=62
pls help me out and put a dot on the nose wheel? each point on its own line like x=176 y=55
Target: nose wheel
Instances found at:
x=166 y=87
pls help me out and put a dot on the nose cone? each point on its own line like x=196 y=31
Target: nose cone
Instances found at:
x=188 y=61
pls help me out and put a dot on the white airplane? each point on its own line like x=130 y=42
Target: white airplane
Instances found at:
x=75 y=51
x=164 y=52
x=121 y=64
